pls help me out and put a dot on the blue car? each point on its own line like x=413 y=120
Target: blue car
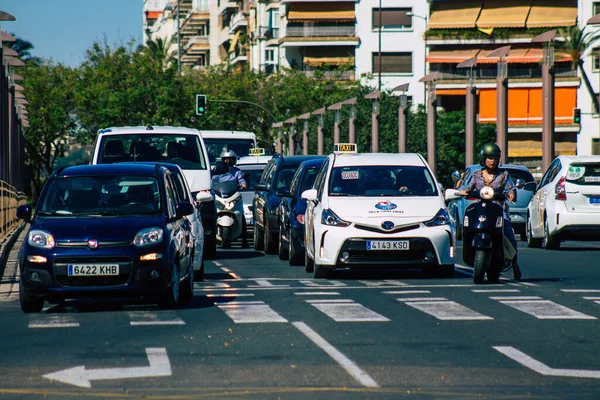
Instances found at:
x=112 y=230
x=291 y=211
x=517 y=211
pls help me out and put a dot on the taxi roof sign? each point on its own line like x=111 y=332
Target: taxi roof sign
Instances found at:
x=344 y=148
x=257 y=152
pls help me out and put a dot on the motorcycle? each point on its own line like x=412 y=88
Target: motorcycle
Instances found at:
x=230 y=212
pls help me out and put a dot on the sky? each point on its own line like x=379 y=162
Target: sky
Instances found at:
x=64 y=29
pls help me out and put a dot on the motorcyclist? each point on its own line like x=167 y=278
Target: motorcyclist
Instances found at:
x=489 y=175
x=234 y=174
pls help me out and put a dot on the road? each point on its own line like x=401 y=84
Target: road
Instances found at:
x=258 y=328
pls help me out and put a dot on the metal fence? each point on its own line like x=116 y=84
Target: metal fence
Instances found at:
x=10 y=200
x=320 y=31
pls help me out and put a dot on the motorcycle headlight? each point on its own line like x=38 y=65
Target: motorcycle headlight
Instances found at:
x=441 y=218
x=148 y=237
x=229 y=205
x=328 y=217
x=486 y=193
x=41 y=239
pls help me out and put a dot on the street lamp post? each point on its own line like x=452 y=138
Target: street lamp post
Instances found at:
x=402 y=123
x=471 y=115
x=305 y=117
x=375 y=96
x=291 y=133
x=352 y=120
x=501 y=100
x=429 y=81
x=321 y=122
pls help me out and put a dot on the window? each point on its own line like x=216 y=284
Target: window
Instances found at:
x=596 y=8
x=393 y=63
x=595 y=63
x=392 y=18
x=270 y=56
x=595 y=147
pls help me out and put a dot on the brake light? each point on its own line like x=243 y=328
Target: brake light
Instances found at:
x=300 y=218
x=561 y=193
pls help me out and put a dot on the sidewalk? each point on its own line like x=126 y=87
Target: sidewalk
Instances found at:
x=9 y=262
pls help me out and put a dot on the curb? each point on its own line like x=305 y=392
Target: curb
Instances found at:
x=7 y=244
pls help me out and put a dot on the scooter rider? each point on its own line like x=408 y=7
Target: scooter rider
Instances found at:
x=234 y=174
x=489 y=175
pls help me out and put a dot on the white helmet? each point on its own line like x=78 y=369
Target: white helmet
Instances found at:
x=229 y=154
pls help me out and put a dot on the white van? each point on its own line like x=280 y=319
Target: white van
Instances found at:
x=218 y=141
x=176 y=145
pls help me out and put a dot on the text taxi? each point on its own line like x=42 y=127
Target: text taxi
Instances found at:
x=373 y=210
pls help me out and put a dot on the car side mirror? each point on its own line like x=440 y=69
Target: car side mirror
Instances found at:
x=203 y=197
x=310 y=195
x=24 y=212
x=451 y=194
x=183 y=208
x=455 y=176
x=283 y=192
x=260 y=186
x=520 y=184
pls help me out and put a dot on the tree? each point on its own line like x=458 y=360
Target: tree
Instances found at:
x=576 y=44
x=24 y=48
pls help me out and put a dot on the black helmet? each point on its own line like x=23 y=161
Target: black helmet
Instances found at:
x=489 y=150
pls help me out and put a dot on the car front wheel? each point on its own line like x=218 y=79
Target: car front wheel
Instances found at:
x=29 y=304
x=171 y=294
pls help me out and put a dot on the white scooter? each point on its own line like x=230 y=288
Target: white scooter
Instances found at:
x=230 y=211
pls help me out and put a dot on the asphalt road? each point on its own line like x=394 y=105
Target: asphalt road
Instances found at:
x=258 y=328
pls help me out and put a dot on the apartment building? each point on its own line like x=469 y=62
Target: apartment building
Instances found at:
x=588 y=140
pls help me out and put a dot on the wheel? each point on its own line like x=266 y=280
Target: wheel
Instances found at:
x=210 y=246
x=258 y=238
x=283 y=252
x=294 y=256
x=226 y=233
x=187 y=290
x=531 y=241
x=309 y=263
x=270 y=245
x=550 y=243
x=321 y=272
x=459 y=229
x=479 y=265
x=29 y=304
x=170 y=296
x=199 y=275
x=493 y=275
x=444 y=271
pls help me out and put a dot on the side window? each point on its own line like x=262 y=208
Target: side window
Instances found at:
x=550 y=173
x=179 y=184
x=268 y=174
x=320 y=180
x=171 y=198
x=296 y=180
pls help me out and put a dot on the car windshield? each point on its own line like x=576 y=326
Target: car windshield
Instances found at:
x=101 y=195
x=381 y=180
x=253 y=177
x=180 y=149
x=215 y=147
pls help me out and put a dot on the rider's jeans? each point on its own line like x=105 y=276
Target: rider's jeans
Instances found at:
x=508 y=232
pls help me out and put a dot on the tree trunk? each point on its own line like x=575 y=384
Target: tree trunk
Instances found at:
x=589 y=87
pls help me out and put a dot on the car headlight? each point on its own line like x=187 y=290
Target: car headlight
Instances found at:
x=328 y=217
x=486 y=193
x=148 y=237
x=41 y=239
x=441 y=218
x=230 y=204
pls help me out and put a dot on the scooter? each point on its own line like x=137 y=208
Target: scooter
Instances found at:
x=230 y=211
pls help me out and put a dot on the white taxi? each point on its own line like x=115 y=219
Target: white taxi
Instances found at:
x=374 y=210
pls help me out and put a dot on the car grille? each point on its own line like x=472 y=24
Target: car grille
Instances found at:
x=60 y=271
x=395 y=230
x=112 y=243
x=358 y=253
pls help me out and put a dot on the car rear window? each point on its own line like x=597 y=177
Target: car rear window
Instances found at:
x=584 y=174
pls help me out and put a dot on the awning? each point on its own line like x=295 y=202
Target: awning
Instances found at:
x=153 y=14
x=458 y=14
x=533 y=148
x=504 y=14
x=451 y=56
x=324 y=11
x=549 y=13
x=234 y=41
x=523 y=56
x=317 y=61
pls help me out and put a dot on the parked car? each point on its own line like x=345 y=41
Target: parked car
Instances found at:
x=107 y=230
x=176 y=145
x=291 y=211
x=265 y=206
x=254 y=166
x=566 y=205
x=517 y=210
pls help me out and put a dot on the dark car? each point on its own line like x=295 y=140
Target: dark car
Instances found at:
x=265 y=206
x=517 y=211
x=291 y=211
x=113 y=230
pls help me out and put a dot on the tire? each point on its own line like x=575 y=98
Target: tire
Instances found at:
x=226 y=233
x=187 y=290
x=170 y=296
x=444 y=271
x=531 y=241
x=550 y=243
x=270 y=245
x=210 y=247
x=258 y=238
x=493 y=275
x=479 y=264
x=199 y=275
x=283 y=252
x=309 y=263
x=321 y=272
x=294 y=256
x=29 y=304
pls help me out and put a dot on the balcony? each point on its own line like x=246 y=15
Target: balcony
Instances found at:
x=269 y=33
x=331 y=75
x=197 y=42
x=239 y=21
x=320 y=31
x=239 y=55
x=514 y=72
x=194 y=21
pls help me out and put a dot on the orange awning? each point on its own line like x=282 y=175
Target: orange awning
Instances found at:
x=234 y=41
x=450 y=92
x=459 y=14
x=523 y=56
x=316 y=61
x=549 y=13
x=153 y=14
x=323 y=11
x=451 y=56
x=504 y=14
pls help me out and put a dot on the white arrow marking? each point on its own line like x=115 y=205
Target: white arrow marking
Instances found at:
x=542 y=368
x=79 y=376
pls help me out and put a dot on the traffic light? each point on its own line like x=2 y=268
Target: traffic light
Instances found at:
x=577 y=116
x=200 y=104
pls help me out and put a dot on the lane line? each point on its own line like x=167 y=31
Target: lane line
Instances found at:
x=422 y=299
x=495 y=290
x=210 y=295
x=580 y=290
x=317 y=293
x=407 y=292
x=510 y=298
x=350 y=366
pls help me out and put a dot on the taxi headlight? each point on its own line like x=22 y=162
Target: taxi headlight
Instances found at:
x=441 y=218
x=148 y=237
x=329 y=218
x=41 y=239
x=486 y=193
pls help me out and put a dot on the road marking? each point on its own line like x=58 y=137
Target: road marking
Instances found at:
x=542 y=309
x=350 y=366
x=152 y=318
x=230 y=272
x=346 y=310
x=580 y=290
x=250 y=312
x=53 y=321
x=208 y=286
x=444 y=309
x=591 y=298
x=495 y=290
x=316 y=293
x=230 y=295
x=529 y=284
x=385 y=282
x=79 y=376
x=406 y=292
x=542 y=368
x=218 y=264
x=265 y=283
x=323 y=284
x=515 y=298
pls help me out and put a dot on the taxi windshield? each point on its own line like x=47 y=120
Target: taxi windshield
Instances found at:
x=381 y=180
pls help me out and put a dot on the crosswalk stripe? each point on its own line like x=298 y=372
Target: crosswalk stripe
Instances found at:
x=407 y=292
x=52 y=321
x=250 y=312
x=346 y=310
x=317 y=293
x=544 y=309
x=446 y=310
x=153 y=318
x=322 y=284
